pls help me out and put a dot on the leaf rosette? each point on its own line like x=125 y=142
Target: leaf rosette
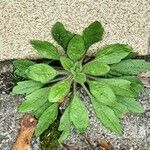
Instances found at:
x=108 y=77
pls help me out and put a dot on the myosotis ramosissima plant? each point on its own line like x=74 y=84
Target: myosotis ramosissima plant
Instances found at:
x=108 y=77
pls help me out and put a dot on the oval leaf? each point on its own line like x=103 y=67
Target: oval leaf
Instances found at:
x=66 y=63
x=76 y=108
x=120 y=87
x=34 y=100
x=46 y=49
x=93 y=33
x=64 y=125
x=120 y=109
x=37 y=113
x=76 y=48
x=41 y=72
x=107 y=117
x=131 y=67
x=47 y=118
x=59 y=90
x=26 y=87
x=102 y=92
x=80 y=78
x=21 y=66
x=131 y=104
x=95 y=68
x=113 y=53
x=61 y=35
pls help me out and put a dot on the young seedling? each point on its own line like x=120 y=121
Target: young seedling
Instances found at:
x=108 y=77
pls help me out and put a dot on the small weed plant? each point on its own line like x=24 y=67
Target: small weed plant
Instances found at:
x=109 y=77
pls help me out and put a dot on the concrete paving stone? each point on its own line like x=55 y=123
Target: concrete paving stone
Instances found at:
x=125 y=21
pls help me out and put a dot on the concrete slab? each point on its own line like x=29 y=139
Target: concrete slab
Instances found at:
x=124 y=21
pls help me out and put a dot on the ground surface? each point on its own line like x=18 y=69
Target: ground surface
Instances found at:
x=125 y=21
x=136 y=127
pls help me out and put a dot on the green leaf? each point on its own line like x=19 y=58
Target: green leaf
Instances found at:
x=59 y=90
x=41 y=109
x=64 y=136
x=64 y=125
x=66 y=63
x=26 y=87
x=131 y=67
x=79 y=114
x=46 y=49
x=119 y=109
x=93 y=33
x=34 y=100
x=131 y=104
x=76 y=48
x=136 y=84
x=107 y=117
x=102 y=92
x=21 y=67
x=61 y=35
x=95 y=68
x=47 y=118
x=121 y=87
x=41 y=72
x=80 y=78
x=113 y=53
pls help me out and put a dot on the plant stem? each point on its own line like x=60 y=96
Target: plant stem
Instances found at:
x=58 y=79
x=89 y=142
x=62 y=72
x=87 y=91
x=74 y=87
x=94 y=78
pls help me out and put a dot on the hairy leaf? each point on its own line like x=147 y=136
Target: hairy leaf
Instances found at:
x=131 y=67
x=76 y=108
x=61 y=35
x=121 y=87
x=21 y=67
x=76 y=48
x=46 y=49
x=59 y=90
x=113 y=53
x=119 y=109
x=41 y=72
x=102 y=92
x=65 y=125
x=93 y=33
x=47 y=118
x=26 y=87
x=107 y=117
x=34 y=100
x=136 y=84
x=131 y=104
x=95 y=68
x=66 y=63
x=41 y=109
x=80 y=78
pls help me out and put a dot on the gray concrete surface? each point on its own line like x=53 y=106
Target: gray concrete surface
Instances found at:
x=9 y=116
x=125 y=21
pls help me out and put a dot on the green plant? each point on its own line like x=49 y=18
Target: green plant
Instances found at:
x=108 y=77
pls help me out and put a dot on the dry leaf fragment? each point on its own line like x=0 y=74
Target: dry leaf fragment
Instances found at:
x=104 y=145
x=67 y=147
x=24 y=136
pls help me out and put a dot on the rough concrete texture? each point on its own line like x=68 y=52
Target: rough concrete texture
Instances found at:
x=9 y=116
x=136 y=127
x=125 y=21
